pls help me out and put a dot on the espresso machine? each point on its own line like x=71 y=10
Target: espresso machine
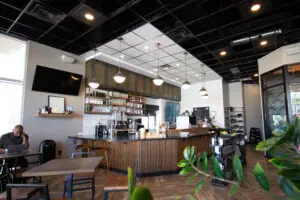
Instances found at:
x=101 y=130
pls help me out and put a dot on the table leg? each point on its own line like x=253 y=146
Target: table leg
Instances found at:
x=105 y=195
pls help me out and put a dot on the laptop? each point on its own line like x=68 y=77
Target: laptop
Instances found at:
x=16 y=148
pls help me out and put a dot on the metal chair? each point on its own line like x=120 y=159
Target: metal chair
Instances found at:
x=15 y=191
x=10 y=192
x=118 y=183
x=79 y=179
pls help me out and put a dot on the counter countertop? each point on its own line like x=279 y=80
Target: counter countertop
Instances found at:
x=132 y=137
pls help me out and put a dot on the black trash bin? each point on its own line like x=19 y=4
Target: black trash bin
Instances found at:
x=48 y=150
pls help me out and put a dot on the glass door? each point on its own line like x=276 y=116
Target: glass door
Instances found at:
x=275 y=109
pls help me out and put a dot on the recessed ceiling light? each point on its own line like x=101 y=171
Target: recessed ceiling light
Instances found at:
x=263 y=43
x=197 y=75
x=255 y=75
x=146 y=47
x=255 y=7
x=166 y=67
x=89 y=16
x=155 y=69
x=122 y=56
x=177 y=78
x=177 y=64
x=223 y=53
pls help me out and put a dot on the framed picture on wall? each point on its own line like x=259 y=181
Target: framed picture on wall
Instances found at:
x=57 y=104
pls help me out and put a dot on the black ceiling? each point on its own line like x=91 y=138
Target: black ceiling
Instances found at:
x=203 y=27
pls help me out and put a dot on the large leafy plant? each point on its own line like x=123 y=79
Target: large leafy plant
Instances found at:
x=284 y=148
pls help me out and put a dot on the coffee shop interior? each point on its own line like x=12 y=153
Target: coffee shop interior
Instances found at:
x=130 y=99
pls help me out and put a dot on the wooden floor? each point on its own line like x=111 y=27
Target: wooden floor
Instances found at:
x=170 y=186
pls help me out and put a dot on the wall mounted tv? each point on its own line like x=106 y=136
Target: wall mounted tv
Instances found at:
x=56 y=81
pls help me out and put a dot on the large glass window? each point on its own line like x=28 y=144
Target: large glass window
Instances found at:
x=294 y=90
x=12 y=65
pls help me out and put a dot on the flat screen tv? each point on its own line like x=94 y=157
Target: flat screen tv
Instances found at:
x=56 y=81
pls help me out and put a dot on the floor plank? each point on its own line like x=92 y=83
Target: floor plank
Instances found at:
x=170 y=186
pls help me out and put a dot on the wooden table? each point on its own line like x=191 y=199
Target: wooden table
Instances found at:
x=19 y=154
x=65 y=166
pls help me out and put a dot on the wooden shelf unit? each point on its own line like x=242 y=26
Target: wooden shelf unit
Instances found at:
x=62 y=115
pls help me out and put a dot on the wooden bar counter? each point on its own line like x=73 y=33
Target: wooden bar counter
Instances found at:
x=156 y=156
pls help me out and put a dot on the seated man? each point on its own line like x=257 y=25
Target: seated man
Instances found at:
x=15 y=138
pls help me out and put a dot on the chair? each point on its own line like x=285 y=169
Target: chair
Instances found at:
x=118 y=183
x=15 y=191
x=79 y=179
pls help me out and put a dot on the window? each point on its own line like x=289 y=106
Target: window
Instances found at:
x=12 y=65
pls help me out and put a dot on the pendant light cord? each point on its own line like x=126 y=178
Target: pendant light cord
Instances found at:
x=120 y=39
x=93 y=66
x=158 y=44
x=185 y=53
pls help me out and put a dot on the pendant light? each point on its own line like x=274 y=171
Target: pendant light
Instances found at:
x=203 y=91
x=158 y=81
x=119 y=77
x=93 y=82
x=186 y=84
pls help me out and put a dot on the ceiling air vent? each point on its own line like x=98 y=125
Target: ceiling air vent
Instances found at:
x=235 y=71
x=165 y=67
x=46 y=13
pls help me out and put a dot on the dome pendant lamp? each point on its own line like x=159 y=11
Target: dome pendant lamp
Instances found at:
x=186 y=84
x=203 y=91
x=93 y=82
x=158 y=81
x=119 y=77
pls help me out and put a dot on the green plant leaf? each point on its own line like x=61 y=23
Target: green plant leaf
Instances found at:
x=261 y=177
x=185 y=170
x=182 y=163
x=237 y=168
x=234 y=188
x=191 y=178
x=278 y=132
x=284 y=150
x=176 y=197
x=187 y=152
x=141 y=193
x=293 y=176
x=285 y=163
x=205 y=163
x=288 y=188
x=199 y=186
x=130 y=182
x=267 y=144
x=296 y=135
x=190 y=197
x=198 y=160
x=216 y=168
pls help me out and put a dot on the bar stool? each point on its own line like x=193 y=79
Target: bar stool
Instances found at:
x=94 y=148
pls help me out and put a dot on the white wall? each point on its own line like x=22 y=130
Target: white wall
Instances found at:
x=253 y=114
x=235 y=94
x=191 y=98
x=57 y=129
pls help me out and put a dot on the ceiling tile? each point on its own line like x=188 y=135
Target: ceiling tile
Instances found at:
x=169 y=59
x=147 y=32
x=106 y=50
x=146 y=66
x=191 y=61
x=163 y=40
x=173 y=49
x=162 y=54
x=134 y=61
x=115 y=44
x=133 y=52
x=181 y=56
x=145 y=58
x=132 y=39
x=155 y=62
x=118 y=55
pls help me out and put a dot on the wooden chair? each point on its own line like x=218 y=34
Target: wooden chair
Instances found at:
x=79 y=179
x=118 y=183
x=14 y=191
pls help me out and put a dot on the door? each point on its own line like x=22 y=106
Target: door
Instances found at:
x=275 y=109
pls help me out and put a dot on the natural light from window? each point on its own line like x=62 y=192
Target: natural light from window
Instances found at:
x=12 y=65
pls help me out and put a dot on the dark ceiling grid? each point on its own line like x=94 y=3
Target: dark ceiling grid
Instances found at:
x=178 y=19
